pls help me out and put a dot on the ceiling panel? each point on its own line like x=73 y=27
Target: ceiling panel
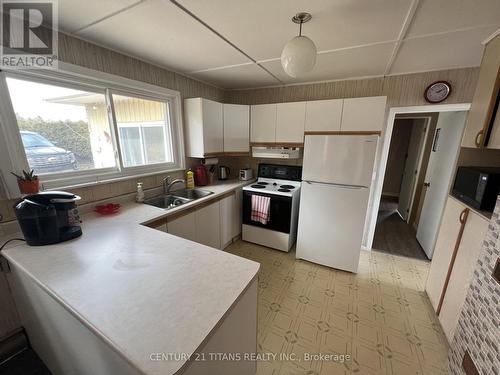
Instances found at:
x=349 y=63
x=435 y=16
x=159 y=32
x=444 y=51
x=75 y=14
x=242 y=76
x=262 y=27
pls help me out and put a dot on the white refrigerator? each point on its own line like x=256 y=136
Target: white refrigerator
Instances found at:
x=336 y=178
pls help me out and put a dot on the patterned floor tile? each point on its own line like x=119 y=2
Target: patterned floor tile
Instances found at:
x=380 y=317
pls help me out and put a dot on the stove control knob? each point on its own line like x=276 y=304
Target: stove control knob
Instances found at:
x=275 y=184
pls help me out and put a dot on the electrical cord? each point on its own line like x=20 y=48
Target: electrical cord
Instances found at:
x=12 y=239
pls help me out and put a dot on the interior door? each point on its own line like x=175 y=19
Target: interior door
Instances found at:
x=440 y=169
x=410 y=171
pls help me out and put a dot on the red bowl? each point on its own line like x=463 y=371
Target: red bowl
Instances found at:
x=107 y=209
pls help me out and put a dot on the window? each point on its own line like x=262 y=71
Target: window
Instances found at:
x=143 y=127
x=77 y=130
x=62 y=129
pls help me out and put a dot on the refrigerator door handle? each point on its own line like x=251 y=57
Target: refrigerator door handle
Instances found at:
x=340 y=186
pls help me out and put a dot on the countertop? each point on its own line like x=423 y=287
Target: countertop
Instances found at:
x=139 y=289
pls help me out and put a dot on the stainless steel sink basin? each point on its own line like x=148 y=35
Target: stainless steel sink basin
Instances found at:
x=167 y=201
x=190 y=193
x=177 y=198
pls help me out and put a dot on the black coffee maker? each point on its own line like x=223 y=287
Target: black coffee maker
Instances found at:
x=49 y=217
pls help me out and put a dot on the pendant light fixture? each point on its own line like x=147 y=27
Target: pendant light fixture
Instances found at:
x=299 y=54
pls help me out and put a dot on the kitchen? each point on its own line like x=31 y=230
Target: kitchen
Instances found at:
x=288 y=176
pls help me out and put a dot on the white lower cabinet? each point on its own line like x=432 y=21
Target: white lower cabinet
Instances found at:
x=183 y=226
x=226 y=218
x=207 y=224
x=237 y=212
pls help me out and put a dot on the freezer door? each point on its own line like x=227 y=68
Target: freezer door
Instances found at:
x=331 y=222
x=341 y=159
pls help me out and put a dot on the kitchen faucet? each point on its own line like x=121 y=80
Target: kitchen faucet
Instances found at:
x=167 y=184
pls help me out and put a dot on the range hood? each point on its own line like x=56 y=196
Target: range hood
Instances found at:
x=276 y=152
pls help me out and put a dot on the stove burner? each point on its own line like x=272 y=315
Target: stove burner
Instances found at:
x=284 y=190
x=287 y=187
x=258 y=186
x=262 y=182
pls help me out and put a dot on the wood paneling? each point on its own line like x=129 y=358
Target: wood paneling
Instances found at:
x=401 y=90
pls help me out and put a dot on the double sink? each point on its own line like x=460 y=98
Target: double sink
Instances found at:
x=177 y=198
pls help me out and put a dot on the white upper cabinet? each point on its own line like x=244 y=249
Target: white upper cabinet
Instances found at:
x=236 y=128
x=363 y=114
x=324 y=115
x=290 y=118
x=204 y=127
x=263 y=123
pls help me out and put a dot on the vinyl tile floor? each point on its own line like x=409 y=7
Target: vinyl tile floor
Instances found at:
x=380 y=317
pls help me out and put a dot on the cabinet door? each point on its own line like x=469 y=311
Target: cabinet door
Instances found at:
x=226 y=220
x=290 y=119
x=9 y=320
x=494 y=141
x=208 y=225
x=237 y=212
x=363 y=114
x=236 y=128
x=480 y=107
x=468 y=252
x=183 y=226
x=324 y=115
x=445 y=244
x=263 y=123
x=213 y=129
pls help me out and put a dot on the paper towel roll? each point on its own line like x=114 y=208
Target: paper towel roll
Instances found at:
x=210 y=161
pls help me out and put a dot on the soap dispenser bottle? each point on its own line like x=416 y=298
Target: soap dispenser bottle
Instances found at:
x=190 y=179
x=139 y=197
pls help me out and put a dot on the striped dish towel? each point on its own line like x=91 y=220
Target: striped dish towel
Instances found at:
x=260 y=209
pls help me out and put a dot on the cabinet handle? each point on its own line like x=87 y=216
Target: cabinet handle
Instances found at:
x=463 y=216
x=478 y=139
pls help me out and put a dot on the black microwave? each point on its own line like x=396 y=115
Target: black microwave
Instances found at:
x=477 y=187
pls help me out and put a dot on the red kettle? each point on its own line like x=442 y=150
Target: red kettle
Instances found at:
x=200 y=175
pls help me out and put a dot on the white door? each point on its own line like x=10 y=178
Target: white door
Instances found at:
x=183 y=226
x=439 y=174
x=290 y=119
x=324 y=115
x=331 y=222
x=363 y=114
x=213 y=128
x=412 y=166
x=236 y=128
x=208 y=225
x=263 y=123
x=340 y=159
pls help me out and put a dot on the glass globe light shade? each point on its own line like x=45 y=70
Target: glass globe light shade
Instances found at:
x=298 y=56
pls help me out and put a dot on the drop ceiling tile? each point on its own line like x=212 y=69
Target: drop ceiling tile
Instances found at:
x=435 y=16
x=349 y=63
x=160 y=32
x=261 y=27
x=75 y=14
x=242 y=76
x=443 y=51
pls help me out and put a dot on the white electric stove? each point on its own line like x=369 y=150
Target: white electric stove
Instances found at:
x=281 y=183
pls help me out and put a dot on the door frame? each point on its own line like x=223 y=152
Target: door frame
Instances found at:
x=383 y=151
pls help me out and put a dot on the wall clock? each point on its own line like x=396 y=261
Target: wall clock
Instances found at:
x=437 y=91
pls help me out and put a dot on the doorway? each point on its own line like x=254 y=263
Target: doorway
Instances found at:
x=422 y=152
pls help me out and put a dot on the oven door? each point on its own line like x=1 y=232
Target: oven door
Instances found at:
x=280 y=212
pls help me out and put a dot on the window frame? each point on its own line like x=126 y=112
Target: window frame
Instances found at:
x=75 y=77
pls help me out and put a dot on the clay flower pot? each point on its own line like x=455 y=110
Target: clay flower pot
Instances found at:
x=29 y=187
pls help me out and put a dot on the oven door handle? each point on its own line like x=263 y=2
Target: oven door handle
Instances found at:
x=340 y=186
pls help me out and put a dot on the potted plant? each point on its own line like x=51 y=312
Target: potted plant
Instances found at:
x=28 y=182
